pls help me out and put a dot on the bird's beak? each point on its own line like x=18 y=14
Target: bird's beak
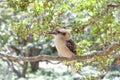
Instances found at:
x=54 y=33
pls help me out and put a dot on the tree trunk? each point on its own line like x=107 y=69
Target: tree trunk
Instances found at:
x=34 y=52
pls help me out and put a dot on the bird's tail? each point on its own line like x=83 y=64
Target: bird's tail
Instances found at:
x=73 y=69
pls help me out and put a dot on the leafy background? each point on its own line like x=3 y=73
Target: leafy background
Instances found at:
x=94 y=25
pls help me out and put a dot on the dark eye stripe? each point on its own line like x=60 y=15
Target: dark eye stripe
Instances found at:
x=64 y=34
x=58 y=32
x=61 y=33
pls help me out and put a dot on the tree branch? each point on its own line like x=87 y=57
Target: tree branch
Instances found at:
x=97 y=18
x=56 y=58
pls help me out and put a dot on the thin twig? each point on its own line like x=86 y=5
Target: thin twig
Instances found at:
x=97 y=18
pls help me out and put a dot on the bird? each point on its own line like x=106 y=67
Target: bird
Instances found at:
x=65 y=45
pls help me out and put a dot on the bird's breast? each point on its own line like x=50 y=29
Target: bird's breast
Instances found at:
x=62 y=49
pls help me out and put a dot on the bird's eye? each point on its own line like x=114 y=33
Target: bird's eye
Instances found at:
x=58 y=31
x=64 y=34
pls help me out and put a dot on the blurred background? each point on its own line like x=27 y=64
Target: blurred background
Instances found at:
x=94 y=25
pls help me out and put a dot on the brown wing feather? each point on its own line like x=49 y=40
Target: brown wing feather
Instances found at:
x=71 y=45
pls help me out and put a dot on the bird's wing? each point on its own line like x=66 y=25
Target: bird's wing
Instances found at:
x=71 y=46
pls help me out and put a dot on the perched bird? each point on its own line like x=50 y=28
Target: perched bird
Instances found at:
x=64 y=45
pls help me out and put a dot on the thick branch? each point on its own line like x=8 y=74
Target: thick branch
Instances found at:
x=56 y=58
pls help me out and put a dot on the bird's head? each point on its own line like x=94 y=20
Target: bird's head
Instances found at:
x=61 y=33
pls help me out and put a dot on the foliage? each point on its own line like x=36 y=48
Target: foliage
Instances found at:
x=20 y=19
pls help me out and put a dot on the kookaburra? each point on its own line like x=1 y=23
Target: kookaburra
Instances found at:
x=64 y=45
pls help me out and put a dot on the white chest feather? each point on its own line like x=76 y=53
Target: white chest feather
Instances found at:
x=61 y=47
